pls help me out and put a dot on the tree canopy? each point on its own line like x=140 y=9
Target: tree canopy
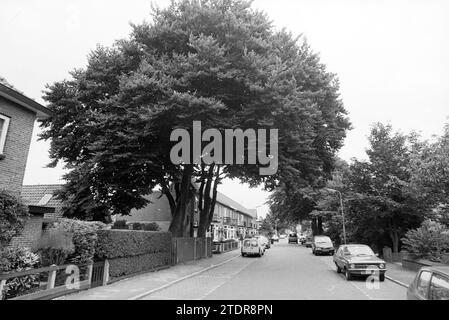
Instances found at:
x=218 y=62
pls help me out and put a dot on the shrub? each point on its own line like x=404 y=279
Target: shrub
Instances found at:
x=84 y=238
x=55 y=247
x=138 y=226
x=121 y=243
x=13 y=215
x=18 y=259
x=152 y=226
x=429 y=241
x=120 y=224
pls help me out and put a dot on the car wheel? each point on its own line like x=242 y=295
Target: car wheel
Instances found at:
x=338 y=268
x=382 y=277
x=348 y=275
x=243 y=254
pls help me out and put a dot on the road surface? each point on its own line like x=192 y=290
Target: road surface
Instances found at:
x=286 y=271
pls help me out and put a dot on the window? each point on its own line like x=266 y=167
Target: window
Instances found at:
x=423 y=284
x=4 y=124
x=439 y=288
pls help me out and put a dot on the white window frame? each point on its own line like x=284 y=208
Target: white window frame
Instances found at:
x=4 y=132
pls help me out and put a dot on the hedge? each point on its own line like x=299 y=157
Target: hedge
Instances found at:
x=134 y=264
x=112 y=244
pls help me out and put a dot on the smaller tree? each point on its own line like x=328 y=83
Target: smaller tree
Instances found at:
x=430 y=240
x=13 y=215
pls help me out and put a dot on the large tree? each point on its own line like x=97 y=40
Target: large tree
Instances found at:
x=218 y=62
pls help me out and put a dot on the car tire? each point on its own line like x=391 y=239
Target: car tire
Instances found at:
x=382 y=277
x=348 y=275
x=338 y=268
x=243 y=254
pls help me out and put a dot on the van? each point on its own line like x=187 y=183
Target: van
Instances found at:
x=253 y=246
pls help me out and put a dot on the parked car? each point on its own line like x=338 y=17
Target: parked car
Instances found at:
x=358 y=259
x=265 y=241
x=322 y=245
x=283 y=236
x=430 y=283
x=302 y=238
x=253 y=246
x=308 y=242
x=292 y=238
x=275 y=238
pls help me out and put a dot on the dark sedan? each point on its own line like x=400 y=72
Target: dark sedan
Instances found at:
x=292 y=238
x=431 y=283
x=359 y=259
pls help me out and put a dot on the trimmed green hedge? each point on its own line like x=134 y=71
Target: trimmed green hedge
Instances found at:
x=131 y=251
x=134 y=264
x=113 y=244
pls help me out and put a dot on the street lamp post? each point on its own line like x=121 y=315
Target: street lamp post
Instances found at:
x=342 y=211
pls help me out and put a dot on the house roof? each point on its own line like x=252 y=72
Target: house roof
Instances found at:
x=41 y=195
x=225 y=200
x=10 y=93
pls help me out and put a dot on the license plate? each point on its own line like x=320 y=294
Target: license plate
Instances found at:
x=370 y=271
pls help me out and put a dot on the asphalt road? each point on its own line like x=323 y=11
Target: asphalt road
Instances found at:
x=286 y=271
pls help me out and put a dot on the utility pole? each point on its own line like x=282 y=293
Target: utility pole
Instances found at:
x=342 y=211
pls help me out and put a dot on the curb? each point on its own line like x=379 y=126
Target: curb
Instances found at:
x=182 y=279
x=396 y=281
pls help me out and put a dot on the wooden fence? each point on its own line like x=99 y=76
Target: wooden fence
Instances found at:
x=188 y=249
x=220 y=247
x=49 y=282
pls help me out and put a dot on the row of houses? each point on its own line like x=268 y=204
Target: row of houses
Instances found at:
x=17 y=116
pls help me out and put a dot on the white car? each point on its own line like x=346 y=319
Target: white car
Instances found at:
x=275 y=238
x=253 y=246
x=265 y=241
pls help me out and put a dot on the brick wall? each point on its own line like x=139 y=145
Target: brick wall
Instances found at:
x=18 y=139
x=32 y=232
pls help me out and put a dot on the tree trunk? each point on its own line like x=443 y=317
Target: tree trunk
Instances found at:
x=320 y=226
x=205 y=207
x=178 y=223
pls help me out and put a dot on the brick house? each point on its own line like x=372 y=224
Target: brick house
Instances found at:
x=231 y=220
x=17 y=116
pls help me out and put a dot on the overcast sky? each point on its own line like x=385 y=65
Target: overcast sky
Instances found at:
x=391 y=58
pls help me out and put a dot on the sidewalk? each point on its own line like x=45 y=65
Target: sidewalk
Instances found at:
x=400 y=275
x=133 y=287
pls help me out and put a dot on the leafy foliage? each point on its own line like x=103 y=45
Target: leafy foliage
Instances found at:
x=219 y=62
x=13 y=215
x=120 y=224
x=55 y=247
x=430 y=240
x=84 y=238
x=18 y=259
x=113 y=244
